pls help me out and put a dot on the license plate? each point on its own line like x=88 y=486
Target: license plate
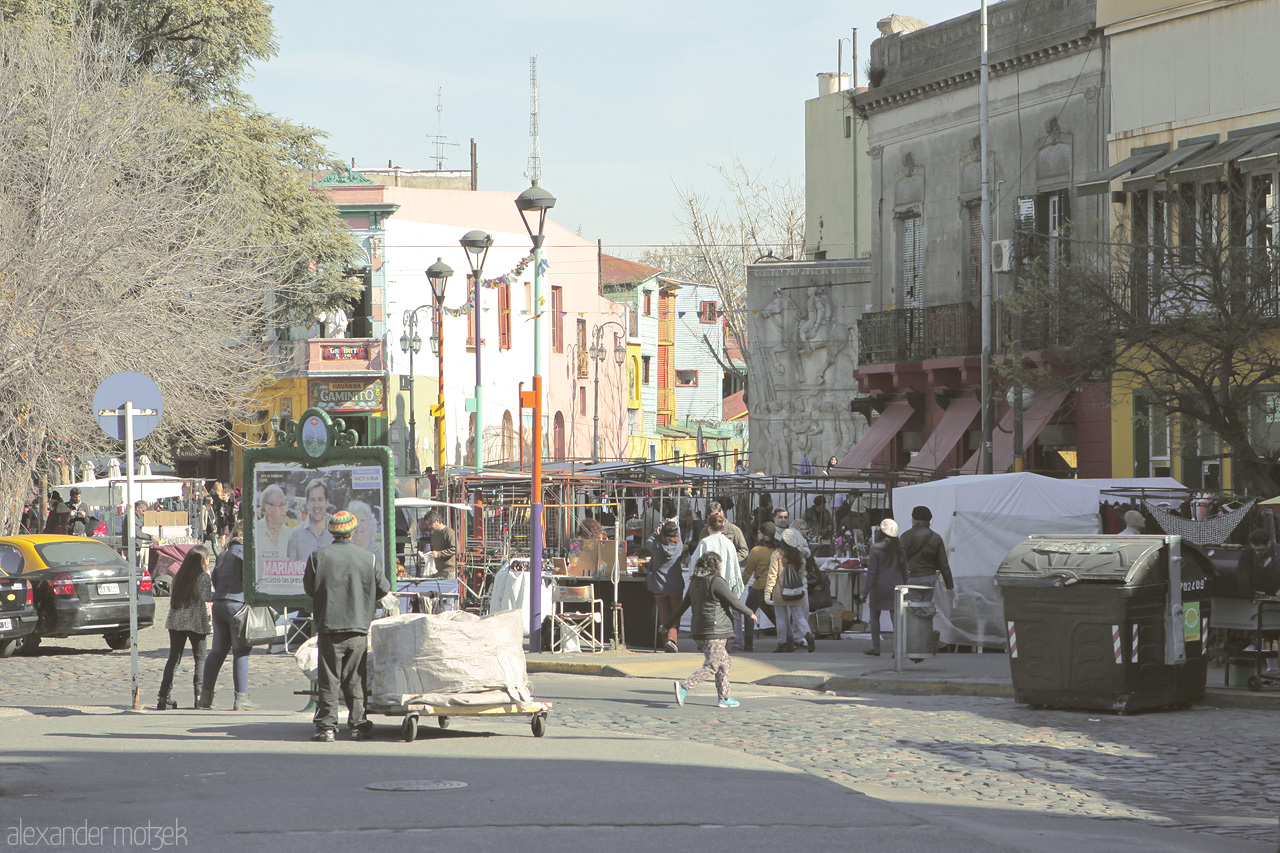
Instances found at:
x=6 y=624
x=108 y=589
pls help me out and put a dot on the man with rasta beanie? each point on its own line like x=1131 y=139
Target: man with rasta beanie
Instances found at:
x=345 y=585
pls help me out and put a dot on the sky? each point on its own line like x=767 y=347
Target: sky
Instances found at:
x=637 y=102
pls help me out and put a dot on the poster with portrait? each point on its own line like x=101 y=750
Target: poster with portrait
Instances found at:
x=292 y=491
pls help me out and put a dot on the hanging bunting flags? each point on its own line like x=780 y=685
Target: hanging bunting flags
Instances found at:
x=491 y=283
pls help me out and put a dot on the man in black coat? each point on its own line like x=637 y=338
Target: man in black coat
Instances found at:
x=345 y=585
x=926 y=556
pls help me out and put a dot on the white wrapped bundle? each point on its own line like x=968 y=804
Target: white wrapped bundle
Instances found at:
x=454 y=652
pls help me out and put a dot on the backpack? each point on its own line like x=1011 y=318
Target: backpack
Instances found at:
x=793 y=583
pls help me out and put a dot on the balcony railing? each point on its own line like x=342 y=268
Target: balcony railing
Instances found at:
x=918 y=334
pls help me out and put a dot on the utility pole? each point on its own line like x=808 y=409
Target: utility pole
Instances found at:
x=984 y=141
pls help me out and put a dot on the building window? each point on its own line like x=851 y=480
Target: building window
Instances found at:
x=583 y=355
x=633 y=382
x=648 y=303
x=504 y=315
x=1042 y=223
x=582 y=399
x=557 y=320
x=633 y=321
x=973 y=267
x=473 y=321
x=645 y=361
x=686 y=378
x=911 y=268
x=848 y=126
x=707 y=311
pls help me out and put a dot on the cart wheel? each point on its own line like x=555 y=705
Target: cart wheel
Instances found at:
x=539 y=724
x=410 y=728
x=443 y=721
x=1255 y=683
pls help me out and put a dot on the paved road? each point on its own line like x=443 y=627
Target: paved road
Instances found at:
x=1208 y=772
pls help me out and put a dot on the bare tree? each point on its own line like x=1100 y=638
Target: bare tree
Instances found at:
x=114 y=255
x=1188 y=325
x=762 y=216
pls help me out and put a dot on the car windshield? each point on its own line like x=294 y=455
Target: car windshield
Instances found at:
x=84 y=552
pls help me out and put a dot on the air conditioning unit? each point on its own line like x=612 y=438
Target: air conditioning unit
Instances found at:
x=1001 y=255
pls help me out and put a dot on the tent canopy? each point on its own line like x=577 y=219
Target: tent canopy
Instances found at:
x=111 y=492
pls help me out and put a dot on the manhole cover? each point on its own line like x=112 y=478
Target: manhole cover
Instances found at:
x=416 y=785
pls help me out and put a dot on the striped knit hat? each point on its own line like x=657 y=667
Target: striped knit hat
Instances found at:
x=342 y=523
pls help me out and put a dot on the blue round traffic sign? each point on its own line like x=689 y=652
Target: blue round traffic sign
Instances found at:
x=127 y=387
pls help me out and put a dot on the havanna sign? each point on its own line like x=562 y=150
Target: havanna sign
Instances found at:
x=349 y=394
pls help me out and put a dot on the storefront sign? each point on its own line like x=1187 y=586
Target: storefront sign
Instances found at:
x=344 y=352
x=347 y=395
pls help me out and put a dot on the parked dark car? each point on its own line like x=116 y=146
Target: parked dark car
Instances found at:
x=17 y=613
x=80 y=586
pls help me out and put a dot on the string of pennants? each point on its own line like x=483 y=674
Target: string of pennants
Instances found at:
x=492 y=283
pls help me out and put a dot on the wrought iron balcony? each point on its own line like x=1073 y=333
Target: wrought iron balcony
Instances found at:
x=919 y=334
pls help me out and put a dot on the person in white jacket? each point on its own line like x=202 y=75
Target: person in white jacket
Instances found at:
x=716 y=542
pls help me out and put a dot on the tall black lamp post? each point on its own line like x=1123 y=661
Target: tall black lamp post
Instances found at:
x=477 y=244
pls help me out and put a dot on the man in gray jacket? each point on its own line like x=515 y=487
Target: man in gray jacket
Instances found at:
x=345 y=585
x=926 y=556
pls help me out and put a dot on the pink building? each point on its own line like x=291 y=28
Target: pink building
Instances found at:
x=407 y=229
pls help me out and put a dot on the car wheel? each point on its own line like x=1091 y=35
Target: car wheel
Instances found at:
x=8 y=647
x=29 y=644
x=118 y=642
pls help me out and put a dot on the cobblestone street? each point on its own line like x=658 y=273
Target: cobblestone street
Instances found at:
x=1192 y=769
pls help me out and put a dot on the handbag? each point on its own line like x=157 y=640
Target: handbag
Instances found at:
x=255 y=626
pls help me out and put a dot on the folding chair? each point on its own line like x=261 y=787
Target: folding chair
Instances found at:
x=577 y=619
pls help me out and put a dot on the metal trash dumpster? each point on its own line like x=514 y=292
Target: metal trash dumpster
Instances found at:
x=1105 y=622
x=913 y=634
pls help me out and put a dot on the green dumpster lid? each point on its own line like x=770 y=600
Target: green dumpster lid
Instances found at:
x=1046 y=558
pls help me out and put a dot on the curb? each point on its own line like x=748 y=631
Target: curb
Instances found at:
x=1217 y=698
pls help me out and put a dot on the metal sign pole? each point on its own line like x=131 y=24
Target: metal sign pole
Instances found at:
x=133 y=550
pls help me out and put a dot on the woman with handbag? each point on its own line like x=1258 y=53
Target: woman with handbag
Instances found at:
x=188 y=621
x=886 y=569
x=228 y=599
x=787 y=588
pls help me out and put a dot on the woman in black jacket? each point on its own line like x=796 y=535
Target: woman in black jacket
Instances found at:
x=712 y=627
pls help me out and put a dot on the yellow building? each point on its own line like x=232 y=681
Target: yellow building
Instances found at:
x=1195 y=128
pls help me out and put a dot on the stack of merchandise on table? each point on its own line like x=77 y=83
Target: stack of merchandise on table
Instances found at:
x=453 y=658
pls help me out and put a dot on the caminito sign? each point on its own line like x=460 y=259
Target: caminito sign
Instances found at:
x=348 y=394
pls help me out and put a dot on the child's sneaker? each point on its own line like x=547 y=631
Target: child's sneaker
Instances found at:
x=728 y=703
x=680 y=692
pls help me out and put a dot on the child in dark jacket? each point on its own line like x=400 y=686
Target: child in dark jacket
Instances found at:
x=712 y=626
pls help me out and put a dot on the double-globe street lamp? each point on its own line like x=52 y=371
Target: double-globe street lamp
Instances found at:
x=411 y=343
x=536 y=201
x=597 y=352
x=477 y=244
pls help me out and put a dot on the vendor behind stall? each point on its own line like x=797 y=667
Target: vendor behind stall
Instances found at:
x=444 y=546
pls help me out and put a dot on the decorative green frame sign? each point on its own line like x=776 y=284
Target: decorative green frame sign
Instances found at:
x=291 y=491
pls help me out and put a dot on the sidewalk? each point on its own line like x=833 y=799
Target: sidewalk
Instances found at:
x=840 y=666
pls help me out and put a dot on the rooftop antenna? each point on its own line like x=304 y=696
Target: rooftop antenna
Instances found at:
x=438 y=136
x=534 y=170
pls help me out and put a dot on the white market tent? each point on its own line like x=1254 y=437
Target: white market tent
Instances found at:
x=981 y=517
x=110 y=491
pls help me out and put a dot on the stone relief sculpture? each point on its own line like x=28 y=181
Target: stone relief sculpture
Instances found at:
x=803 y=356
x=773 y=337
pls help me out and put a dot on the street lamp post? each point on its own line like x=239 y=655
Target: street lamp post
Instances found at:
x=536 y=200
x=477 y=244
x=411 y=343
x=438 y=275
x=597 y=355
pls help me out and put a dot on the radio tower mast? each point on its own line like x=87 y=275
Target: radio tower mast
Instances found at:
x=534 y=170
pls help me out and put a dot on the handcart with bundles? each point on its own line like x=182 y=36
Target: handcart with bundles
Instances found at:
x=450 y=664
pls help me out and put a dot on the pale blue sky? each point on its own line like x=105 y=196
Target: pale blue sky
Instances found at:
x=635 y=99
